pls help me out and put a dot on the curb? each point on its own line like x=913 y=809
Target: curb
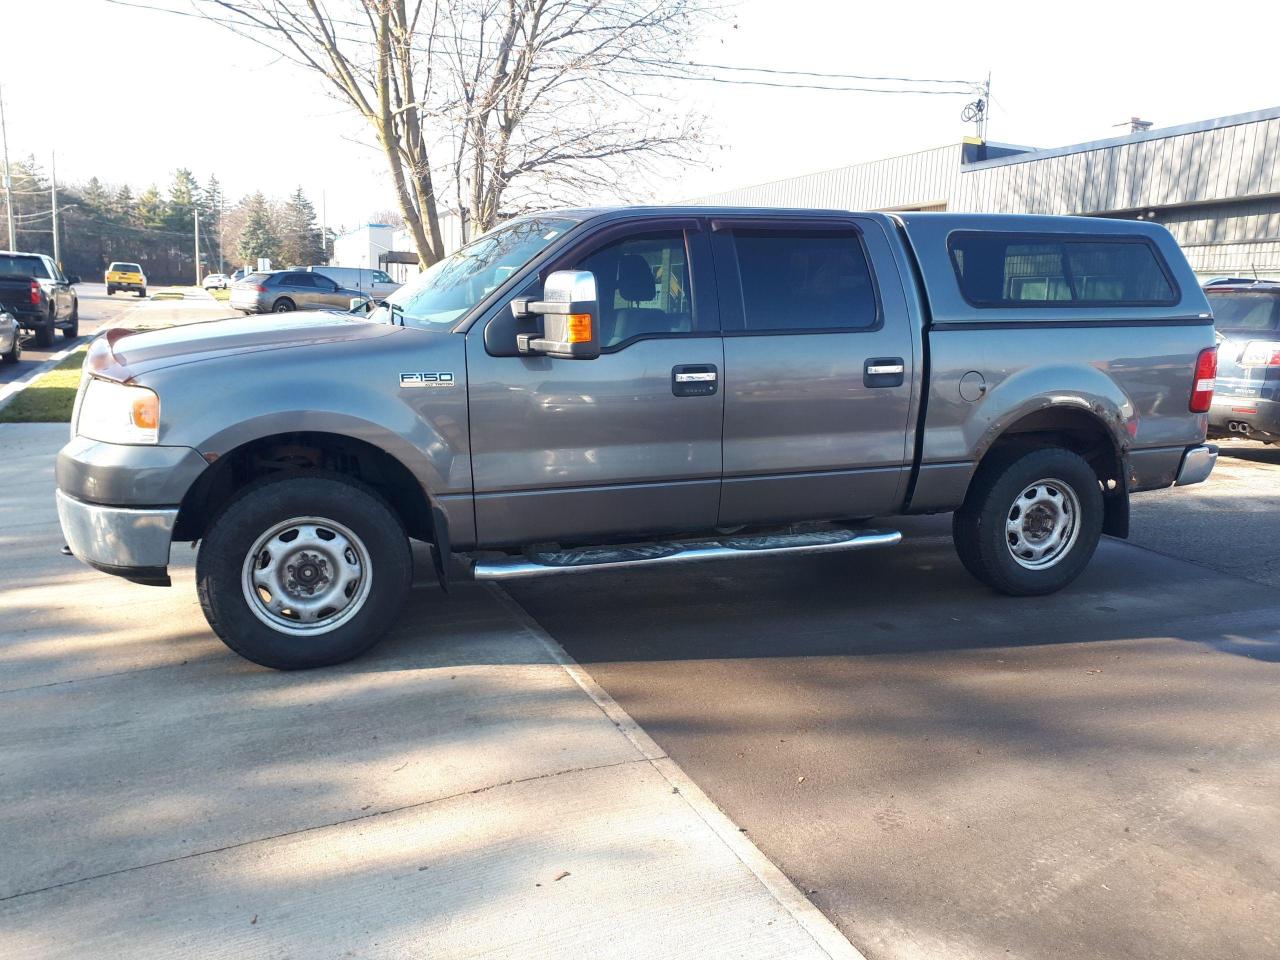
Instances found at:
x=813 y=921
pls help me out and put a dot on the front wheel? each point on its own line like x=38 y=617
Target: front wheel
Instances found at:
x=303 y=571
x=1031 y=521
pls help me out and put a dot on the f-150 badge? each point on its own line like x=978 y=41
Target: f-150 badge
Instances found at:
x=437 y=379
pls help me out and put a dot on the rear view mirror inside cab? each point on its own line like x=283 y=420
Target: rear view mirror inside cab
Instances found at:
x=570 y=313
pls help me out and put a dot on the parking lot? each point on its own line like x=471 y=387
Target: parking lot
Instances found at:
x=944 y=772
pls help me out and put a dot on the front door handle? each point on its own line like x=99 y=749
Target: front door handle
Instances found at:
x=884 y=372
x=694 y=379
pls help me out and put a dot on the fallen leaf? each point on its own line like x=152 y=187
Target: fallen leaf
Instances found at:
x=799 y=779
x=254 y=920
x=562 y=874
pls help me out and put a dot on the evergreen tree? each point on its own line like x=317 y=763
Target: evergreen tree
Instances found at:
x=152 y=210
x=300 y=239
x=124 y=208
x=210 y=201
x=180 y=212
x=258 y=236
x=96 y=199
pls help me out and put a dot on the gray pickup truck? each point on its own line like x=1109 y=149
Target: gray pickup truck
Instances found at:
x=595 y=389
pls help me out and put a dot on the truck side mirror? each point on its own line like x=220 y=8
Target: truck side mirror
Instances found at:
x=570 y=314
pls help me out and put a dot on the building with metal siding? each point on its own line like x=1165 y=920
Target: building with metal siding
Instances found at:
x=1214 y=184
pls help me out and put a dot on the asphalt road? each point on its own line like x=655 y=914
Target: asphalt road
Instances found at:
x=954 y=774
x=96 y=308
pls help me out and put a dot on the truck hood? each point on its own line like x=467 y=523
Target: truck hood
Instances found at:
x=134 y=353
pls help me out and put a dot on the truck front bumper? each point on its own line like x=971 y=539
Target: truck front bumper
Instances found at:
x=130 y=542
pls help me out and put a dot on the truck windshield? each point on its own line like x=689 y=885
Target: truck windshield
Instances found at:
x=447 y=290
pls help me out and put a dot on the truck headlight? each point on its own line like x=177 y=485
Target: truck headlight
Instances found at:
x=119 y=413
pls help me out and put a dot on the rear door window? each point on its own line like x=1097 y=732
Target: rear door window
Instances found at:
x=1013 y=270
x=299 y=280
x=796 y=280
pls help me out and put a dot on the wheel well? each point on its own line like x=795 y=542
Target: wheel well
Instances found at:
x=300 y=452
x=1084 y=434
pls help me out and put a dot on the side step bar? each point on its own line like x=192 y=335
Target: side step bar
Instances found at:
x=825 y=539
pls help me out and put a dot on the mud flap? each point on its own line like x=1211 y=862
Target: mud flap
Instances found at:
x=440 y=546
x=1115 y=503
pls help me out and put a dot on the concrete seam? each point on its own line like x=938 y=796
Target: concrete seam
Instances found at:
x=812 y=920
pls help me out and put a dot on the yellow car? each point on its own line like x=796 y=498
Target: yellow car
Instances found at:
x=125 y=276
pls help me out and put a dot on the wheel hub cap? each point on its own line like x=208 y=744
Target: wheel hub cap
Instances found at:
x=307 y=575
x=1043 y=524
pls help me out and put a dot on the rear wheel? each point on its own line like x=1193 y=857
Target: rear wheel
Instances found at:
x=72 y=329
x=44 y=333
x=303 y=571
x=110 y=290
x=142 y=292
x=1031 y=521
x=283 y=305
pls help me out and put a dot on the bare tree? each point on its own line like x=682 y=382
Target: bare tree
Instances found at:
x=511 y=104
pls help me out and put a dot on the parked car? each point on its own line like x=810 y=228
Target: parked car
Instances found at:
x=39 y=295
x=290 y=290
x=215 y=281
x=125 y=276
x=593 y=390
x=10 y=338
x=1247 y=400
x=373 y=284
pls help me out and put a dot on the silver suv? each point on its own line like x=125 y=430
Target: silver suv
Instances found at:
x=290 y=290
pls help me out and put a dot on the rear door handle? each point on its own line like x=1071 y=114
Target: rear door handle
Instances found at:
x=884 y=372
x=694 y=379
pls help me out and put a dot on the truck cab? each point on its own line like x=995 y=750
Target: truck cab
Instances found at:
x=637 y=386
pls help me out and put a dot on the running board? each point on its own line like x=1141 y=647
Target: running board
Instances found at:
x=824 y=539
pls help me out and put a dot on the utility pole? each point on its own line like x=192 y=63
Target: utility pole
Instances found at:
x=196 y=208
x=53 y=179
x=8 y=178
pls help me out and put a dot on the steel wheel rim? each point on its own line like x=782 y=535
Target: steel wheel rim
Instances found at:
x=1042 y=524
x=307 y=576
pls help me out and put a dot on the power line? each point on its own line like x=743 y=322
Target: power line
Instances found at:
x=969 y=85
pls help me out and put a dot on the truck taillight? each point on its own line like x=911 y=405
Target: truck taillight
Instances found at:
x=1261 y=353
x=35 y=293
x=1206 y=373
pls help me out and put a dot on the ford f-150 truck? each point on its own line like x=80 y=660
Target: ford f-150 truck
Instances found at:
x=629 y=387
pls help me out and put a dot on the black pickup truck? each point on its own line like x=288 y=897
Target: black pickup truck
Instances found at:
x=39 y=295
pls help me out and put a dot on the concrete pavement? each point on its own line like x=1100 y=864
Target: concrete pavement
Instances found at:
x=958 y=775
x=457 y=793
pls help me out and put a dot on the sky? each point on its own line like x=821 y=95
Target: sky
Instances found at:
x=129 y=94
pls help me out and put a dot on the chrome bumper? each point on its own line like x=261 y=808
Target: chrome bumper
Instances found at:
x=1197 y=464
x=130 y=542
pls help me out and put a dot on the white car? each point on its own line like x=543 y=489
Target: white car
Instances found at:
x=10 y=339
x=215 y=281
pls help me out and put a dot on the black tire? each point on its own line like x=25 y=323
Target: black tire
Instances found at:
x=981 y=527
x=14 y=355
x=72 y=330
x=44 y=333
x=142 y=292
x=283 y=305
x=111 y=291
x=337 y=500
